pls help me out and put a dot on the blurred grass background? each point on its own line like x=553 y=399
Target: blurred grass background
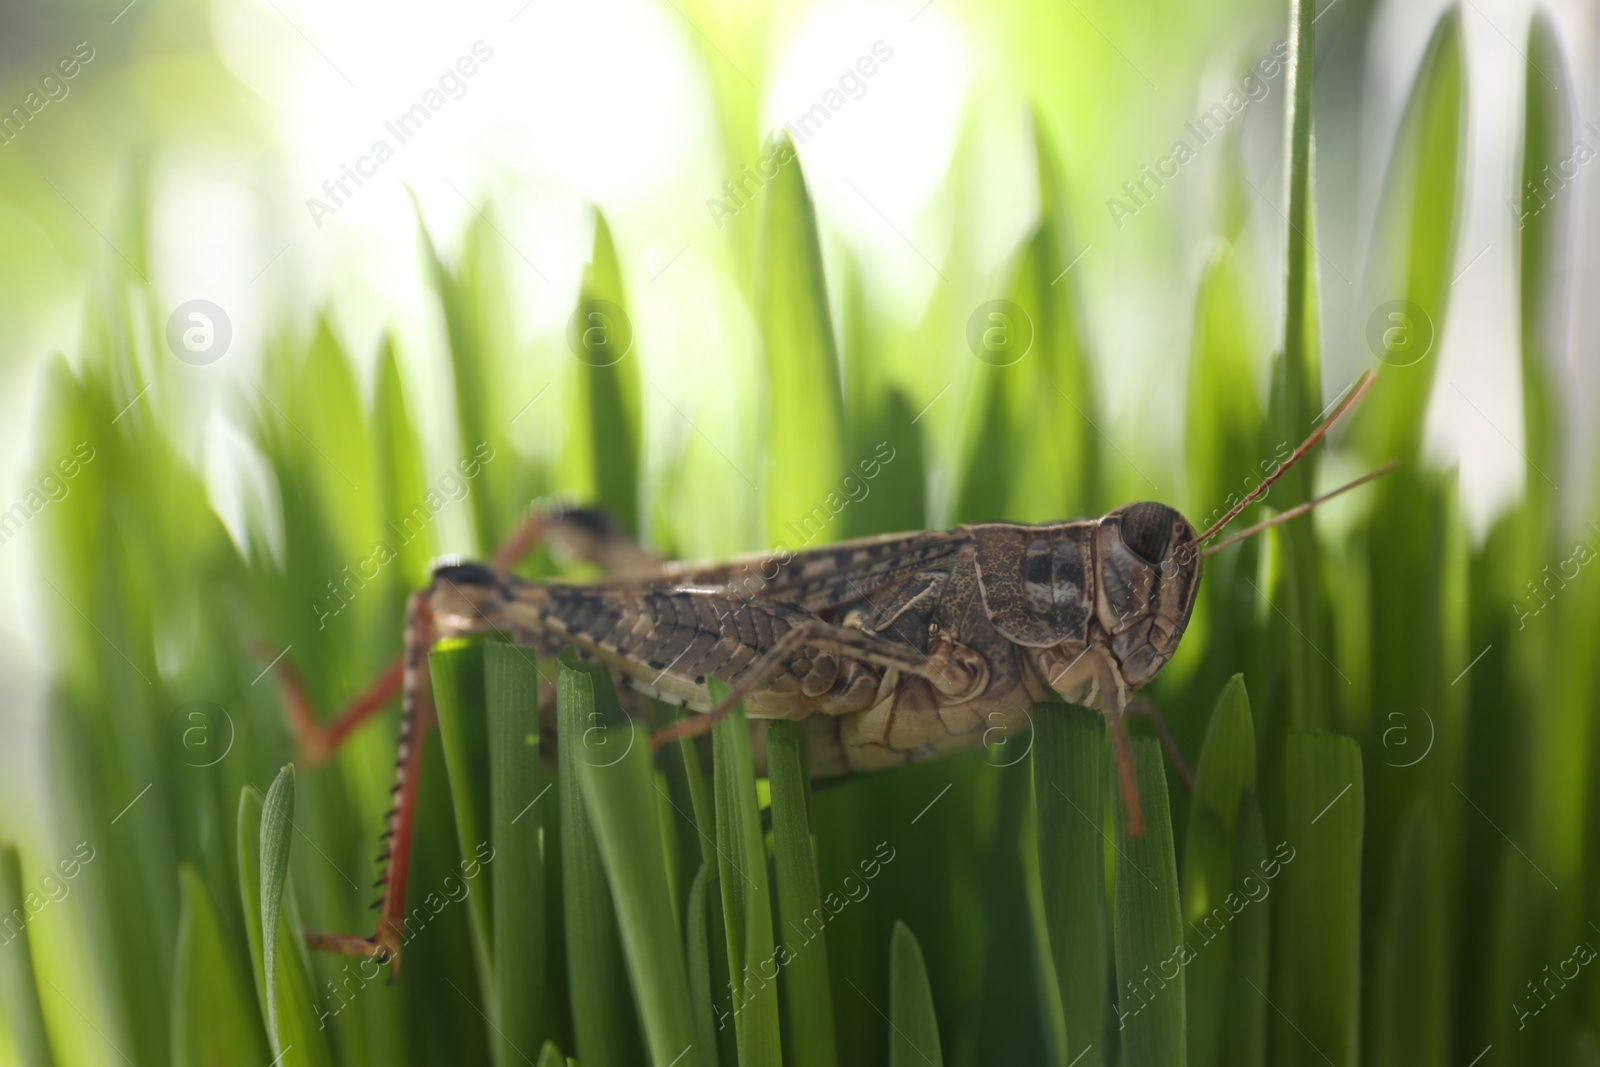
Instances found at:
x=1396 y=695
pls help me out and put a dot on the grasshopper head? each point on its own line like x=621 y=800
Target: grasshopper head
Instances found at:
x=1149 y=574
x=470 y=595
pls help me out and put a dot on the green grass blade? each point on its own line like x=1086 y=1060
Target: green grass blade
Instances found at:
x=1226 y=769
x=19 y=993
x=1244 y=1010
x=1563 y=731
x=512 y=688
x=620 y=797
x=1069 y=793
x=399 y=471
x=213 y=1018
x=1316 y=927
x=1223 y=427
x=1295 y=392
x=249 y=831
x=684 y=800
x=805 y=433
x=1545 y=221
x=550 y=1056
x=604 y=418
x=1299 y=353
x=913 y=1028
x=603 y=1028
x=457 y=672
x=277 y=820
x=1035 y=453
x=284 y=991
x=704 y=805
x=1149 y=925
x=746 y=902
x=1413 y=247
x=1413 y=988
x=807 y=997
x=475 y=421
x=697 y=947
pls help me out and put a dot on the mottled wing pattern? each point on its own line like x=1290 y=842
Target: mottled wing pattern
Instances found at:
x=822 y=579
x=1037 y=581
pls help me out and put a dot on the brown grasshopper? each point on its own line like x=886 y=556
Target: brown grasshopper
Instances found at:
x=890 y=649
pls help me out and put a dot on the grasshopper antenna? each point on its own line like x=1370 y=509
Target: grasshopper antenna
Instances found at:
x=1301 y=509
x=1260 y=491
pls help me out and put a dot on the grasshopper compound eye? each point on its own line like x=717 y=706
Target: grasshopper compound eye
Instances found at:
x=1147 y=531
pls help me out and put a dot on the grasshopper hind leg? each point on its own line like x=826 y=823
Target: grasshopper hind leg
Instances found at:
x=417 y=715
x=582 y=534
x=1142 y=708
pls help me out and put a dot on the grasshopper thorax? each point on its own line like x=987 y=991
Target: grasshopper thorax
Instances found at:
x=1091 y=597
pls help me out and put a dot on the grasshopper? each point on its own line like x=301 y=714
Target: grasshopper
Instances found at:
x=891 y=648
